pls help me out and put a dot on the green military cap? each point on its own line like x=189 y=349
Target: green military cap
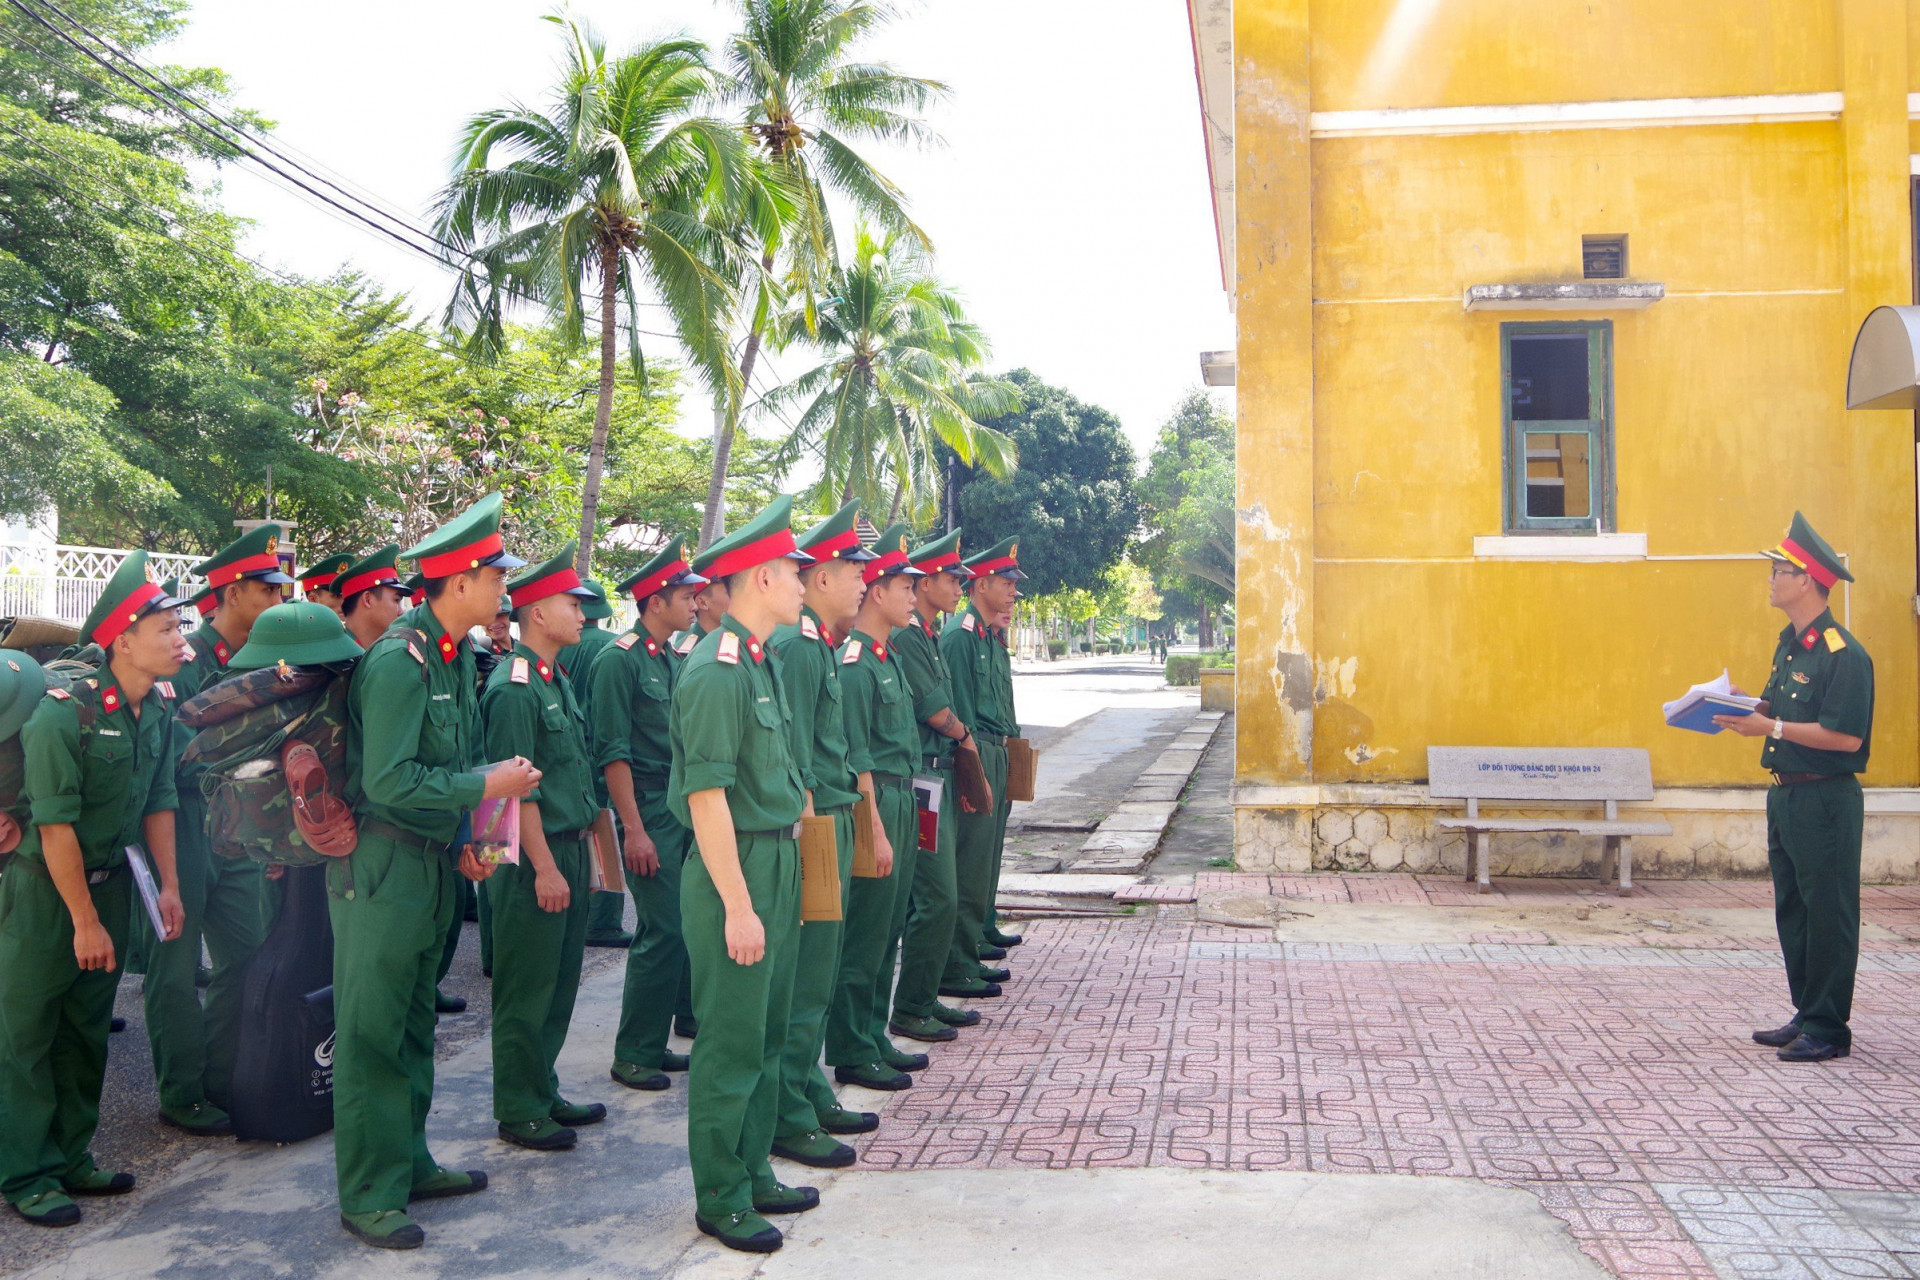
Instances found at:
x=768 y=536
x=942 y=555
x=302 y=634
x=837 y=537
x=1808 y=552
x=22 y=683
x=130 y=595
x=668 y=568
x=416 y=588
x=551 y=577
x=172 y=587
x=890 y=556
x=254 y=554
x=596 y=608
x=322 y=574
x=206 y=600
x=468 y=541
x=377 y=570
x=1002 y=558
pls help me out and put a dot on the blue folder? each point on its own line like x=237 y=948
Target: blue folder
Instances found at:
x=1699 y=717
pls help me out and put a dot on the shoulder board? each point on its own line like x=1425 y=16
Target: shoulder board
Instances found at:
x=729 y=648
x=521 y=671
x=850 y=654
x=808 y=628
x=417 y=655
x=966 y=621
x=165 y=687
x=61 y=694
x=628 y=640
x=686 y=644
x=1835 y=641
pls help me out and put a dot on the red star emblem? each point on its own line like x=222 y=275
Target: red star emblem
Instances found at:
x=447 y=648
x=110 y=699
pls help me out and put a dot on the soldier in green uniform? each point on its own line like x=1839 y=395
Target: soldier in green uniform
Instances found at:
x=228 y=901
x=917 y=1011
x=98 y=778
x=605 y=912
x=319 y=582
x=973 y=647
x=371 y=596
x=539 y=906
x=735 y=784
x=632 y=688
x=1816 y=713
x=709 y=606
x=883 y=747
x=807 y=654
x=413 y=741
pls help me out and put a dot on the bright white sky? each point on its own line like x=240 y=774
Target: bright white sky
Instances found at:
x=1069 y=206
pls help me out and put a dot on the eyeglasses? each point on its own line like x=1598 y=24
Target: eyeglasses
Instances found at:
x=1784 y=570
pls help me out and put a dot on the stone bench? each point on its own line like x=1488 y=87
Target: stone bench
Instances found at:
x=1516 y=777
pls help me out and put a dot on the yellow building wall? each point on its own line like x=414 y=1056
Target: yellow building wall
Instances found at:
x=1773 y=242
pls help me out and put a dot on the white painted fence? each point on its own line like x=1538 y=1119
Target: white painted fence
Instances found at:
x=64 y=582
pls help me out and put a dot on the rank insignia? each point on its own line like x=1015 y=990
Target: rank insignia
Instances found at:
x=879 y=653
x=851 y=654
x=753 y=647
x=61 y=694
x=808 y=628
x=628 y=640
x=520 y=672
x=653 y=647
x=729 y=651
x=110 y=699
x=546 y=672
x=417 y=655
x=447 y=648
x=165 y=687
x=221 y=652
x=1810 y=639
x=686 y=644
x=1835 y=641
x=966 y=622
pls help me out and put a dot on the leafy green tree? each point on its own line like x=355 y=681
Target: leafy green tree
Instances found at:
x=900 y=380
x=807 y=104
x=1186 y=537
x=1071 y=502
x=610 y=184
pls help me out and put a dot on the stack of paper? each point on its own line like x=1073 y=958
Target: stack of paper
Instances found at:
x=1696 y=708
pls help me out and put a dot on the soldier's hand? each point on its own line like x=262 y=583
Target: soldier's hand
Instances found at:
x=640 y=853
x=746 y=938
x=471 y=867
x=9 y=833
x=1747 y=726
x=550 y=889
x=92 y=948
x=172 y=914
x=515 y=777
x=883 y=855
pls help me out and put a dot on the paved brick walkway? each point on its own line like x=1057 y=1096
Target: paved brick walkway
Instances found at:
x=1616 y=1082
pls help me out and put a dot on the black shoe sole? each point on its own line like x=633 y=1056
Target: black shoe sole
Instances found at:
x=549 y=1144
x=115 y=1188
x=867 y=1124
x=928 y=1038
x=768 y=1241
x=844 y=1161
x=988 y=992
x=67 y=1217
x=199 y=1131
x=686 y=1035
x=990 y=953
x=595 y=1114
x=920 y=1063
x=401 y=1239
x=798 y=1206
x=962 y=1018
x=646 y=1084
x=1824 y=1057
x=451 y=1007
x=478 y=1184
x=899 y=1082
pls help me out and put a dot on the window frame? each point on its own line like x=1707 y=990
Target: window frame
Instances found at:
x=1597 y=426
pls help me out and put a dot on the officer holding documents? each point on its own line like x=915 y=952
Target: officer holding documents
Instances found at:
x=413 y=741
x=736 y=785
x=539 y=905
x=576 y=661
x=99 y=777
x=1816 y=714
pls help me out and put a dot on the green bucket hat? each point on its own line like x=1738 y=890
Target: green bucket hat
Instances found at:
x=301 y=634
x=596 y=609
x=22 y=684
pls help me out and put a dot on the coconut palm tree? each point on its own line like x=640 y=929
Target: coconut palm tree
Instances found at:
x=611 y=183
x=807 y=102
x=901 y=377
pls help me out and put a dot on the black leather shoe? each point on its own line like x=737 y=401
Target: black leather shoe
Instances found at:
x=117 y=1024
x=1779 y=1037
x=877 y=1075
x=987 y=951
x=1807 y=1049
x=747 y=1232
x=979 y=991
x=443 y=1003
x=1001 y=939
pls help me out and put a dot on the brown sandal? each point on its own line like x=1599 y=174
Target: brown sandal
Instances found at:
x=322 y=818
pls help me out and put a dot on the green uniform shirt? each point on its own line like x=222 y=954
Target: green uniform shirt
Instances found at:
x=683 y=641
x=1820 y=674
x=413 y=729
x=632 y=682
x=917 y=650
x=731 y=728
x=810 y=674
x=577 y=660
x=208 y=665
x=104 y=781
x=528 y=709
x=981 y=673
x=881 y=737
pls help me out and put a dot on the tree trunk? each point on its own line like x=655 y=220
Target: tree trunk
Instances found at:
x=713 y=523
x=1206 y=627
x=603 y=411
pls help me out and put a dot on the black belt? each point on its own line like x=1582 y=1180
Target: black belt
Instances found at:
x=583 y=835
x=936 y=762
x=991 y=739
x=99 y=875
x=403 y=837
x=1795 y=779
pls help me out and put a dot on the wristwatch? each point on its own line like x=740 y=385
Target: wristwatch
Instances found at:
x=1779 y=731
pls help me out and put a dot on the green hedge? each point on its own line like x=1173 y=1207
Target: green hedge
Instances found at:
x=1212 y=660
x=1056 y=648
x=1183 y=668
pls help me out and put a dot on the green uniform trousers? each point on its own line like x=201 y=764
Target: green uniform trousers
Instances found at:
x=466 y=897
x=733 y=1088
x=928 y=933
x=536 y=978
x=657 y=958
x=390 y=901
x=140 y=939
x=1004 y=807
x=606 y=912
x=976 y=860
x=1813 y=849
x=229 y=903
x=876 y=911
x=804 y=1091
x=53 y=1029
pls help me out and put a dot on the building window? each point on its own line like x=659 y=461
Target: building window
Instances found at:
x=1558 y=380
x=1603 y=257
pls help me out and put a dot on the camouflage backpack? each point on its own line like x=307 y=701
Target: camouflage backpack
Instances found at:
x=74 y=673
x=241 y=724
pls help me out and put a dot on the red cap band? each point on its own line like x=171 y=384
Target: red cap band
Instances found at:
x=126 y=613
x=873 y=569
x=461 y=559
x=321 y=582
x=771 y=547
x=207 y=603
x=986 y=567
x=366 y=581
x=266 y=561
x=418 y=596
x=1815 y=570
x=943 y=564
x=658 y=579
x=540 y=588
x=829 y=549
